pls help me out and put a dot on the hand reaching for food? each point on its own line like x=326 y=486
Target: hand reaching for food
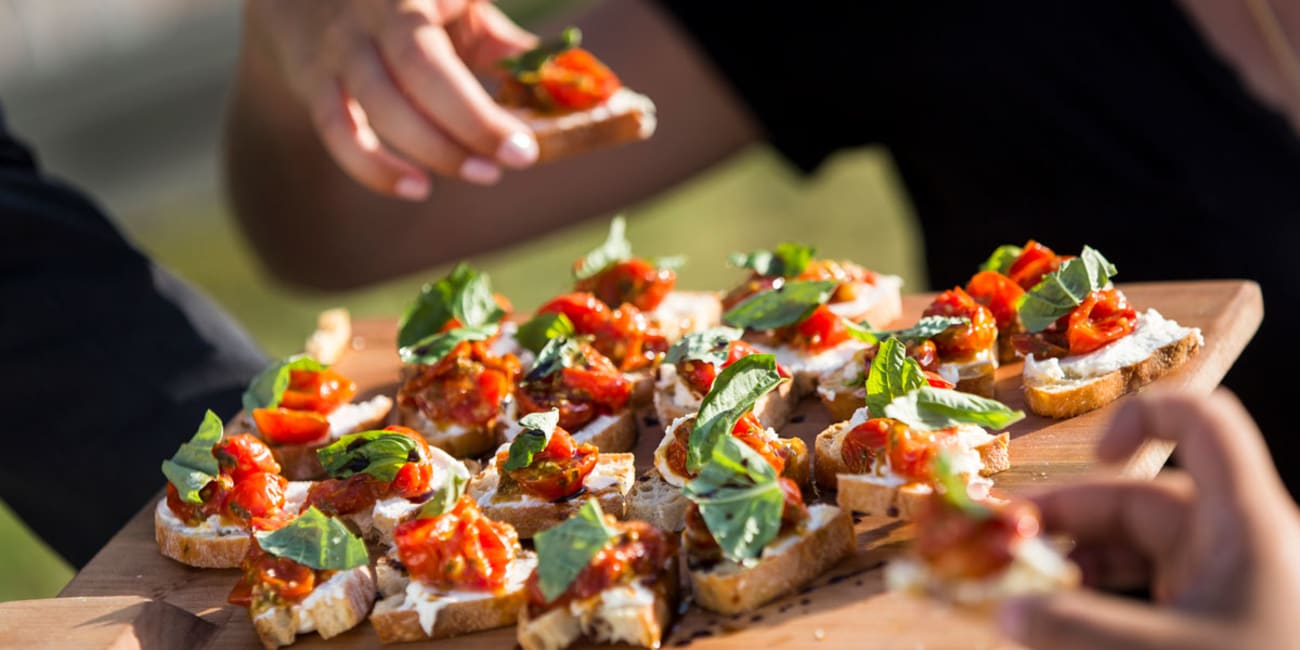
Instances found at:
x=390 y=86
x=1215 y=543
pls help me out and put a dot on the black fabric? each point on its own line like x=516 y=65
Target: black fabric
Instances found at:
x=102 y=373
x=1107 y=123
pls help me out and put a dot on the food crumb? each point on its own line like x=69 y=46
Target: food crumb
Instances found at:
x=819 y=634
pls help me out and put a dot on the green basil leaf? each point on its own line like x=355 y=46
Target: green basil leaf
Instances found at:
x=787 y=260
x=377 y=453
x=536 y=434
x=193 y=465
x=739 y=499
x=615 y=249
x=862 y=332
x=711 y=345
x=932 y=408
x=734 y=393
x=447 y=495
x=892 y=374
x=314 y=540
x=1060 y=292
x=543 y=327
x=558 y=353
x=433 y=348
x=565 y=550
x=1002 y=258
x=267 y=388
x=465 y=294
x=530 y=62
x=669 y=262
x=928 y=327
x=788 y=305
x=953 y=488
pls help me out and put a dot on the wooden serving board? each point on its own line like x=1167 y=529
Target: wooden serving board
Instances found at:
x=846 y=606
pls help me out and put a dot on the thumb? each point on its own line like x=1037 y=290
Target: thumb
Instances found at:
x=1085 y=620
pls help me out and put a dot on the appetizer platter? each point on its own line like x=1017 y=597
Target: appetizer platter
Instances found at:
x=632 y=463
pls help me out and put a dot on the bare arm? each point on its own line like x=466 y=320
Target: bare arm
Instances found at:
x=313 y=225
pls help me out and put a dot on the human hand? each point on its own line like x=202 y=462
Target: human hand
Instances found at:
x=389 y=87
x=1216 y=544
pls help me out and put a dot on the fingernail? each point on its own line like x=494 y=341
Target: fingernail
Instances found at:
x=413 y=188
x=478 y=170
x=518 y=150
x=1011 y=619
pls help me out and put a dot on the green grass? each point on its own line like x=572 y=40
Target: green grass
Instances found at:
x=853 y=208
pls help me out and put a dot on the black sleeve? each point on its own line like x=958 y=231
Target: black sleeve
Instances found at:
x=107 y=362
x=777 y=58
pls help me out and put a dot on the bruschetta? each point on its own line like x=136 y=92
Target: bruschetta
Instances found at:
x=451 y=571
x=458 y=375
x=572 y=102
x=859 y=295
x=218 y=491
x=976 y=552
x=600 y=579
x=688 y=371
x=1085 y=345
x=879 y=461
x=298 y=405
x=727 y=410
x=1001 y=282
x=312 y=575
x=592 y=396
x=749 y=538
x=545 y=474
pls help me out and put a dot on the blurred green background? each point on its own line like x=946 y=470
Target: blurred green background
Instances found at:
x=852 y=208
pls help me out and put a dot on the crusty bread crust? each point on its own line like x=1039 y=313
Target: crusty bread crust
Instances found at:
x=394 y=625
x=1074 y=398
x=981 y=384
x=533 y=516
x=643 y=387
x=859 y=493
x=619 y=436
x=658 y=502
x=559 y=627
x=772 y=409
x=278 y=626
x=844 y=405
x=731 y=589
x=462 y=444
x=206 y=551
x=554 y=143
x=828 y=465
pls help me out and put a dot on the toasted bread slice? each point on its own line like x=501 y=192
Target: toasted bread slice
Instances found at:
x=807 y=369
x=212 y=544
x=1035 y=569
x=299 y=462
x=610 y=433
x=332 y=337
x=658 y=502
x=876 y=496
x=458 y=441
x=413 y=611
x=683 y=312
x=609 y=483
x=786 y=565
x=332 y=608
x=829 y=467
x=636 y=614
x=643 y=387
x=674 y=399
x=1064 y=388
x=627 y=116
x=879 y=304
x=978 y=376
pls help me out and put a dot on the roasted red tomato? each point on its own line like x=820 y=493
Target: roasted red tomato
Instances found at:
x=256 y=496
x=635 y=281
x=747 y=430
x=345 y=496
x=638 y=551
x=956 y=545
x=623 y=334
x=1035 y=261
x=459 y=549
x=863 y=443
x=821 y=330
x=282 y=426
x=699 y=375
x=1104 y=316
x=467 y=387
x=321 y=391
x=213 y=496
x=556 y=472
x=590 y=388
x=847 y=274
x=576 y=80
x=999 y=293
x=961 y=342
x=910 y=452
x=244 y=454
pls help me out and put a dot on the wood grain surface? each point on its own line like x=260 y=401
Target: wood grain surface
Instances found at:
x=848 y=605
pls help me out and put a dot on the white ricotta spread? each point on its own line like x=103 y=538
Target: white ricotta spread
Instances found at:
x=428 y=601
x=1152 y=332
x=661 y=453
x=618 y=614
x=326 y=597
x=799 y=361
x=687 y=311
x=587 y=433
x=348 y=418
x=868 y=295
x=622 y=101
x=671 y=386
x=1035 y=568
x=819 y=515
x=973 y=367
x=216 y=525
